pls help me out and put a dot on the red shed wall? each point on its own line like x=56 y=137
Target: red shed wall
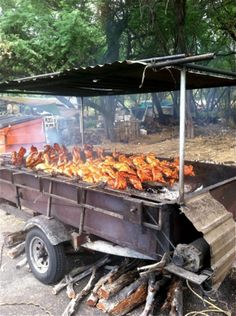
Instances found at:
x=22 y=134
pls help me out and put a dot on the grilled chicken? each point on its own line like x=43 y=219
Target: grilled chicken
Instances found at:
x=18 y=158
x=92 y=165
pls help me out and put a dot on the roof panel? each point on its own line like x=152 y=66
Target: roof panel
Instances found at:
x=119 y=78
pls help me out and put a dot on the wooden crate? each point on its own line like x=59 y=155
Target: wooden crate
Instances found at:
x=127 y=131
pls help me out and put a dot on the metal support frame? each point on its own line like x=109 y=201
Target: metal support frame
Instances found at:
x=182 y=133
x=49 y=206
x=82 y=121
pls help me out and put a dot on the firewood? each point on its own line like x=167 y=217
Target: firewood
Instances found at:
x=126 y=300
x=13 y=239
x=21 y=263
x=108 y=290
x=93 y=297
x=153 y=288
x=174 y=299
x=70 y=288
x=154 y=267
x=125 y=266
x=16 y=251
x=177 y=301
x=63 y=283
x=72 y=306
x=113 y=275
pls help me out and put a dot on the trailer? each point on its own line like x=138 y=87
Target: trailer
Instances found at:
x=193 y=224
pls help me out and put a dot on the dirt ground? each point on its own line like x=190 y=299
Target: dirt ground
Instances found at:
x=213 y=142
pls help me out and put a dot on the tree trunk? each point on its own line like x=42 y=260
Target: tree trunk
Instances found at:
x=175 y=98
x=157 y=104
x=180 y=13
x=108 y=113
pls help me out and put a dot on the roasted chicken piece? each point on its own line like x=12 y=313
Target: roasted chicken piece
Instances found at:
x=157 y=175
x=88 y=151
x=188 y=170
x=100 y=153
x=14 y=157
x=145 y=174
x=134 y=180
x=120 y=181
x=34 y=159
x=17 y=158
x=152 y=160
x=127 y=160
x=124 y=167
x=76 y=155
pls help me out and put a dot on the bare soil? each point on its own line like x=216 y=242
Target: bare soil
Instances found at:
x=214 y=143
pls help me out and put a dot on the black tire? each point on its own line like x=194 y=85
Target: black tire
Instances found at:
x=46 y=261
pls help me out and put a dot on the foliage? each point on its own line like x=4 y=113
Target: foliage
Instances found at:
x=46 y=36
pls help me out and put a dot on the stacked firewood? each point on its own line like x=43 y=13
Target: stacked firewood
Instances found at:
x=123 y=287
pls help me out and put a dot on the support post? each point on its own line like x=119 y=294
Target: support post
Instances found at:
x=82 y=121
x=182 y=133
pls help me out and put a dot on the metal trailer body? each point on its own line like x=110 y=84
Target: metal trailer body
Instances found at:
x=140 y=221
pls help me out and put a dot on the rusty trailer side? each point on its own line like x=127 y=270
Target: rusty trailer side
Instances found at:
x=136 y=220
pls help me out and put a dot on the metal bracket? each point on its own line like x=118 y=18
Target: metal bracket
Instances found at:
x=49 y=206
x=135 y=212
x=81 y=199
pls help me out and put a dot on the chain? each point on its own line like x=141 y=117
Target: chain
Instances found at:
x=29 y=304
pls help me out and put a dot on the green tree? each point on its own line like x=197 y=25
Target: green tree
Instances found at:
x=46 y=36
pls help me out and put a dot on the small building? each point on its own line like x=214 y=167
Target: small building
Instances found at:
x=17 y=131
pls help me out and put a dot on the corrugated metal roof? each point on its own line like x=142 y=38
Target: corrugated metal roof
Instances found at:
x=118 y=78
x=31 y=101
x=10 y=120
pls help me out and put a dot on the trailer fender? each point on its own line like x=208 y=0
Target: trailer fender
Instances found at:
x=55 y=231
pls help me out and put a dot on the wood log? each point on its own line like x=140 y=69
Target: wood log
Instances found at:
x=154 y=267
x=21 y=263
x=16 y=251
x=93 y=297
x=177 y=301
x=73 y=305
x=174 y=299
x=153 y=288
x=13 y=239
x=125 y=266
x=70 y=287
x=61 y=285
x=110 y=289
x=113 y=275
x=126 y=300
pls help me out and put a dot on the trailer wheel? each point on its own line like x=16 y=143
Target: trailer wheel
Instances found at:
x=46 y=261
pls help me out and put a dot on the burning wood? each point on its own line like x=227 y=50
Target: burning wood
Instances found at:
x=94 y=166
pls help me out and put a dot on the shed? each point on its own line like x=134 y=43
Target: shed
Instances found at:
x=17 y=131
